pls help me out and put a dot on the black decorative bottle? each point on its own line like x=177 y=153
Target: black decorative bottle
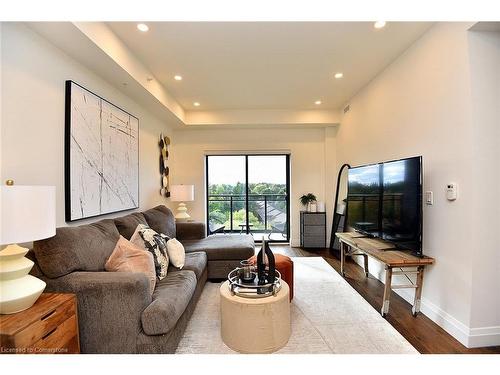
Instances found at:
x=265 y=276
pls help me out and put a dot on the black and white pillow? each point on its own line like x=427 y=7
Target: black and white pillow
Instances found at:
x=156 y=244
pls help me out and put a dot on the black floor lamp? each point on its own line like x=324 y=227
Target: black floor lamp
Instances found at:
x=339 y=219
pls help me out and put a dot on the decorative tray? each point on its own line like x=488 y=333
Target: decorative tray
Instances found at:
x=252 y=289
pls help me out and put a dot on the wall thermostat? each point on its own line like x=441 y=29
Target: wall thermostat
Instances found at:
x=452 y=191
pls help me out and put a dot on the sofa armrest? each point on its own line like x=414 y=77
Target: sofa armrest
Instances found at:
x=190 y=231
x=110 y=305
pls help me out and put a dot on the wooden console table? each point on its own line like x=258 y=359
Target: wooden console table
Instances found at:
x=354 y=244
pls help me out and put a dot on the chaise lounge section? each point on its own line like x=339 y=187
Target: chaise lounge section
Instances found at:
x=116 y=311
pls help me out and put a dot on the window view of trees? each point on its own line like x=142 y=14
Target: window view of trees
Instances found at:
x=254 y=182
x=221 y=195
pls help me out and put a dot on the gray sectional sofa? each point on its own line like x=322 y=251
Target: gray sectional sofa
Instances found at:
x=116 y=311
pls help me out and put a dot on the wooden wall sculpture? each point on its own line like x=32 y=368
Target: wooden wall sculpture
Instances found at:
x=164 y=143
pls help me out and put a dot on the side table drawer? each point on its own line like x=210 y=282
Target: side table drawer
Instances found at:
x=49 y=326
x=45 y=325
x=60 y=340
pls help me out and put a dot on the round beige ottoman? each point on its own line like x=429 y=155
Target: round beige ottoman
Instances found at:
x=255 y=325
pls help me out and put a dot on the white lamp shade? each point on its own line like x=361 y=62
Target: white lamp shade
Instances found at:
x=28 y=213
x=182 y=193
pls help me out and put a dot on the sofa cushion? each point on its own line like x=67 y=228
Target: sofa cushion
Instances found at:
x=153 y=242
x=190 y=230
x=196 y=262
x=220 y=247
x=170 y=299
x=127 y=257
x=81 y=248
x=161 y=220
x=127 y=224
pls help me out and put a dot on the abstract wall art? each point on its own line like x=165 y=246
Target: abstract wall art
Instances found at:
x=101 y=156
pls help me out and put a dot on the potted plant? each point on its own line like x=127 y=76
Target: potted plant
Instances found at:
x=307 y=200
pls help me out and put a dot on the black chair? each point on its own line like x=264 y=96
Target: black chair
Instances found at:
x=279 y=228
x=216 y=228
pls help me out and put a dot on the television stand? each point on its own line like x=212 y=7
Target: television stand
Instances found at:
x=377 y=243
x=353 y=245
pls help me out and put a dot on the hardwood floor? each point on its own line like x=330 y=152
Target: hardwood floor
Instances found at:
x=425 y=335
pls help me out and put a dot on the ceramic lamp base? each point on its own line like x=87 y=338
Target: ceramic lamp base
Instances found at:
x=182 y=212
x=18 y=290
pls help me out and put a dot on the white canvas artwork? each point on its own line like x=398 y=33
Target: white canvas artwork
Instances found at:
x=102 y=156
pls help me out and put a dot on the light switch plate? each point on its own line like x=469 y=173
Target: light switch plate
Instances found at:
x=429 y=198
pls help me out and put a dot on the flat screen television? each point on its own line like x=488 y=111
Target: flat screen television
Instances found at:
x=384 y=200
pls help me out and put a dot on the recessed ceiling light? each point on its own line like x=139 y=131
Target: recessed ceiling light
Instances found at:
x=196 y=104
x=338 y=75
x=318 y=102
x=379 y=24
x=142 y=27
x=178 y=78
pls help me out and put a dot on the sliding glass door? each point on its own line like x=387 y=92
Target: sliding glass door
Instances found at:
x=226 y=189
x=249 y=194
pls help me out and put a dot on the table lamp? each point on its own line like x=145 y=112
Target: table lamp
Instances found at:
x=27 y=214
x=182 y=193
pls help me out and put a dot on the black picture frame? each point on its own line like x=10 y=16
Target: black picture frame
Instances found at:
x=69 y=84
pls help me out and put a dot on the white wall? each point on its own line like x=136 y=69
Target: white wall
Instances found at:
x=306 y=147
x=484 y=50
x=421 y=105
x=32 y=99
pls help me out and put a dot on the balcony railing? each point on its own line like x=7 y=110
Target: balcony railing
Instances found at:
x=262 y=207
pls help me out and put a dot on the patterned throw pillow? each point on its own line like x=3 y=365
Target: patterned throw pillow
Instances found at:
x=156 y=245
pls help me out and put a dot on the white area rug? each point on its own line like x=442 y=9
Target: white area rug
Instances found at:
x=328 y=316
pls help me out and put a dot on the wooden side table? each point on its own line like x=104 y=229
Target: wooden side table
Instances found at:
x=50 y=326
x=245 y=226
x=353 y=244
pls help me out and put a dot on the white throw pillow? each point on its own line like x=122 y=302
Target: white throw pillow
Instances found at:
x=176 y=253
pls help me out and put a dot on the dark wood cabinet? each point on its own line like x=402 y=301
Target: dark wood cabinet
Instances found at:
x=312 y=229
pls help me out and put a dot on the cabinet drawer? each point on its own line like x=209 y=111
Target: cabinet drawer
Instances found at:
x=49 y=326
x=46 y=324
x=313 y=241
x=314 y=230
x=314 y=219
x=61 y=339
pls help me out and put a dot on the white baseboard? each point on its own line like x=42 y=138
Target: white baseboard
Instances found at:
x=469 y=337
x=451 y=325
x=484 y=336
